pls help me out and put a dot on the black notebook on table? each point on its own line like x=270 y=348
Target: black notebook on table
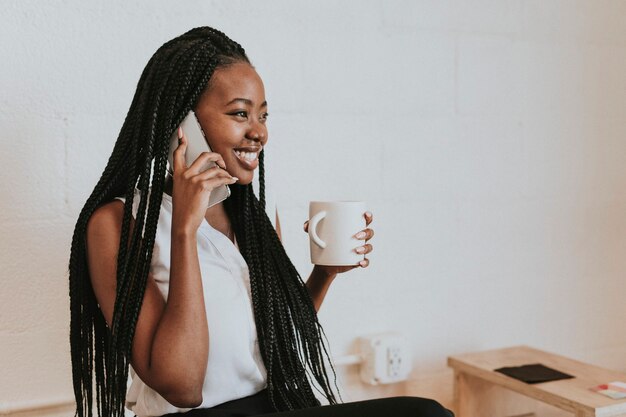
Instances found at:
x=533 y=373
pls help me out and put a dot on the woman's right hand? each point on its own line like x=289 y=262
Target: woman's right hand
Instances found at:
x=192 y=187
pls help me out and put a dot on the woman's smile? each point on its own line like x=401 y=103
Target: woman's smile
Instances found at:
x=248 y=157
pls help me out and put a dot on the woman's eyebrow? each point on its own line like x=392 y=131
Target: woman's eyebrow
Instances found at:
x=245 y=101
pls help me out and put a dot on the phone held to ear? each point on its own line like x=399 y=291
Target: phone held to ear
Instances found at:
x=196 y=144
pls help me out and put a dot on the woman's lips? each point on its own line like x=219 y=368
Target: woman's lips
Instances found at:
x=247 y=157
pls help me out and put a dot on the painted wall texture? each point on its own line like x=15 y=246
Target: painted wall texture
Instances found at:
x=488 y=138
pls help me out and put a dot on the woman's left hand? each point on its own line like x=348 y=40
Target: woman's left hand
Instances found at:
x=365 y=235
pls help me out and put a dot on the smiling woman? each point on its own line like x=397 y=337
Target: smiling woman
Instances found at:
x=232 y=113
x=202 y=304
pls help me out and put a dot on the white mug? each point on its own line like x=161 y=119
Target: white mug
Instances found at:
x=332 y=227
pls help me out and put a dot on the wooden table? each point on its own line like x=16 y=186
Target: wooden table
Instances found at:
x=481 y=392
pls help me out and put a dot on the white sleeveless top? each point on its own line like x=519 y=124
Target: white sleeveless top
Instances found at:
x=235 y=368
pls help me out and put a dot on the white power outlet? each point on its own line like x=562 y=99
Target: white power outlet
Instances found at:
x=385 y=358
x=394 y=361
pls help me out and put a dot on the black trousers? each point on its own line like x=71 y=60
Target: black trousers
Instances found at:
x=259 y=405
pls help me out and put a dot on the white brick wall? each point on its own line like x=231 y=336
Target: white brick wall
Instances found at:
x=487 y=136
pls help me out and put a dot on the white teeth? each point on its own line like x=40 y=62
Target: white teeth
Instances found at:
x=248 y=156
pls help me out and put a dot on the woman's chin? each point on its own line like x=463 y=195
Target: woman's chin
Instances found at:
x=244 y=179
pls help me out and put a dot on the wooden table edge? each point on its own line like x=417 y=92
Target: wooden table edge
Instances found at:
x=520 y=387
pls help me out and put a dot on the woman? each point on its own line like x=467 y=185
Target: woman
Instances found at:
x=203 y=303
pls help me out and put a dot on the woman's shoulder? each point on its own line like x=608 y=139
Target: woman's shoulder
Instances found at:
x=106 y=219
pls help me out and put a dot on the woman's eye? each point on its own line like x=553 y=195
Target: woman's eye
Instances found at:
x=264 y=116
x=241 y=113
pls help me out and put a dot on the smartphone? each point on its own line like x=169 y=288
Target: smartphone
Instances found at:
x=196 y=144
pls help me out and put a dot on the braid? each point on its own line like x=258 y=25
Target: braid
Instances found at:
x=262 y=178
x=290 y=337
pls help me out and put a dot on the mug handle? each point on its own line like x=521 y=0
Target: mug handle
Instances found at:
x=313 y=226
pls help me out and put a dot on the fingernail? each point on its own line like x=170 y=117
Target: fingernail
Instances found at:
x=234 y=179
x=360 y=249
x=362 y=263
x=360 y=235
x=368 y=213
x=180 y=132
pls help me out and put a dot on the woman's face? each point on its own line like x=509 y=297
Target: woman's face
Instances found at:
x=232 y=112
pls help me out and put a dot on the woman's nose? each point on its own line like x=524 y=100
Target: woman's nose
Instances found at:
x=257 y=132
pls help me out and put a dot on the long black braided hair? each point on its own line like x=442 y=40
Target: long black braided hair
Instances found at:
x=291 y=340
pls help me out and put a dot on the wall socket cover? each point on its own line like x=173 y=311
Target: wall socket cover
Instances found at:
x=386 y=358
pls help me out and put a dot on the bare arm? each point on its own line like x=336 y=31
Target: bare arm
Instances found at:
x=318 y=283
x=170 y=345
x=181 y=341
x=170 y=348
